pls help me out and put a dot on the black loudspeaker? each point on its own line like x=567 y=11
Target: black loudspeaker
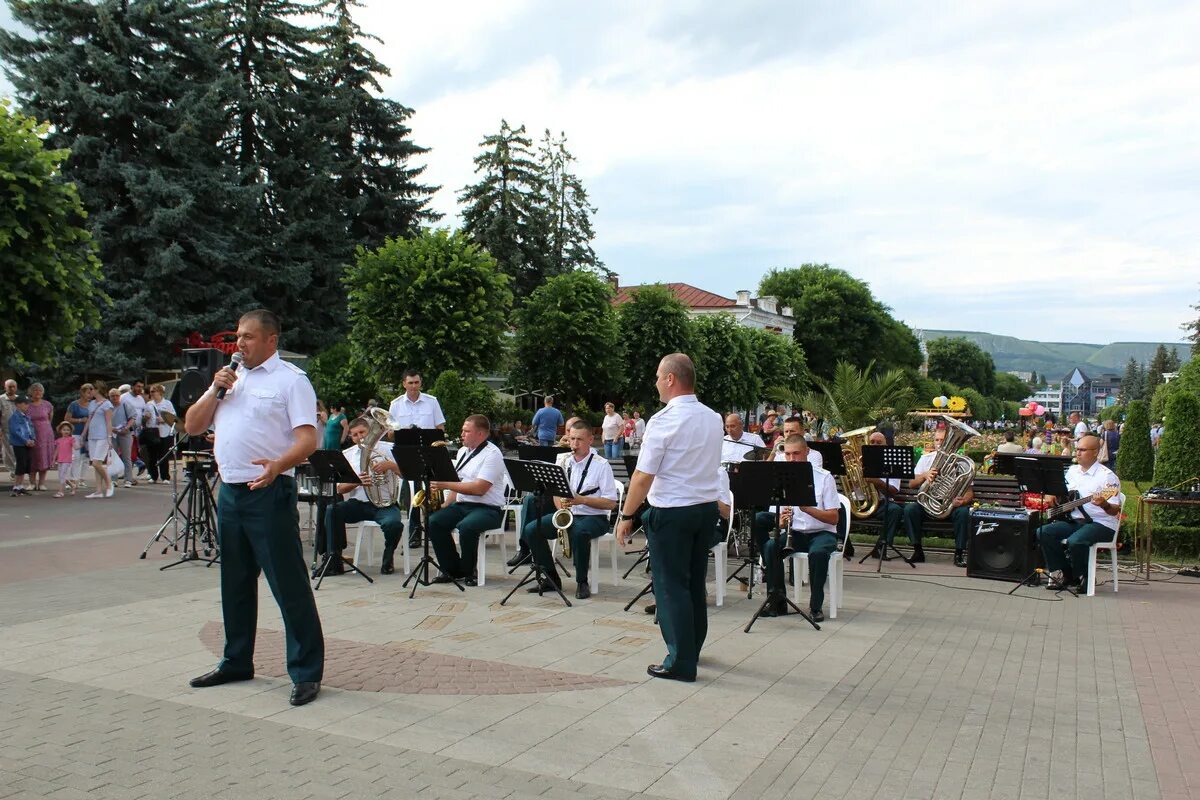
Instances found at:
x=1001 y=545
x=199 y=367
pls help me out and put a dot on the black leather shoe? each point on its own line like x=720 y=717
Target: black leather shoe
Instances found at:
x=960 y=559
x=388 y=566
x=216 y=678
x=583 y=591
x=877 y=552
x=304 y=692
x=336 y=566
x=848 y=551
x=442 y=578
x=817 y=615
x=542 y=587
x=651 y=609
x=520 y=558
x=471 y=581
x=918 y=556
x=658 y=671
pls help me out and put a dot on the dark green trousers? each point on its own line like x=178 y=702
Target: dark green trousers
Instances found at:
x=914 y=521
x=819 y=545
x=891 y=515
x=581 y=532
x=260 y=531
x=680 y=539
x=1072 y=558
x=471 y=519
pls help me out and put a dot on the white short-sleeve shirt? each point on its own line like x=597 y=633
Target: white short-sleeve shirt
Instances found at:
x=682 y=450
x=827 y=498
x=352 y=455
x=1089 y=482
x=258 y=417
x=592 y=472
x=488 y=465
x=736 y=449
x=425 y=412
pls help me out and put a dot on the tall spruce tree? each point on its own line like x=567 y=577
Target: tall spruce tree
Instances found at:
x=568 y=212
x=374 y=181
x=1160 y=362
x=1133 y=382
x=133 y=89
x=505 y=213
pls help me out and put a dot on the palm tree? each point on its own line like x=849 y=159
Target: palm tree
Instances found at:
x=856 y=398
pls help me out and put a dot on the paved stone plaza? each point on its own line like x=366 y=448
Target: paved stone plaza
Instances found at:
x=934 y=686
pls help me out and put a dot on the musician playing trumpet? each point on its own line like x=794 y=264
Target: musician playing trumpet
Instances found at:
x=1068 y=566
x=960 y=514
x=356 y=507
x=591 y=479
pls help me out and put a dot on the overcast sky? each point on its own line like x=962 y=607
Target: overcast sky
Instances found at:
x=1023 y=168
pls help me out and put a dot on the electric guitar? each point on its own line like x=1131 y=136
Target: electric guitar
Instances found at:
x=1107 y=493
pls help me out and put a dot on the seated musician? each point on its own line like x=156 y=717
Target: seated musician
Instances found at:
x=357 y=508
x=794 y=426
x=473 y=505
x=960 y=514
x=591 y=479
x=812 y=530
x=738 y=444
x=1068 y=566
x=529 y=505
x=890 y=513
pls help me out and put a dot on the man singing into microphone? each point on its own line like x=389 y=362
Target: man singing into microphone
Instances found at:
x=265 y=425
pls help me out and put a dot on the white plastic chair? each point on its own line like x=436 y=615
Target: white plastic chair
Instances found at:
x=837 y=569
x=1093 y=556
x=611 y=539
x=366 y=534
x=497 y=533
x=720 y=552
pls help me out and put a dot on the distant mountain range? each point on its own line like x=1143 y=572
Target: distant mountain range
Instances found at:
x=1057 y=359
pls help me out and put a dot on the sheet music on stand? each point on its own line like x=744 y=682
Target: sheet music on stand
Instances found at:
x=832 y=460
x=546 y=454
x=886 y=463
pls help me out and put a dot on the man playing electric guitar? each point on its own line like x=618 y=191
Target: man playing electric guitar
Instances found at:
x=1095 y=519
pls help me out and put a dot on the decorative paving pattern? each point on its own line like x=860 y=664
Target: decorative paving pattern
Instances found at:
x=400 y=669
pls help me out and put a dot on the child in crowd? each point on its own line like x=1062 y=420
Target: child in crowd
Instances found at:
x=64 y=456
x=21 y=436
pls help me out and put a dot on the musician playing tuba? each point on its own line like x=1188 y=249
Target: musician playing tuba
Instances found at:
x=357 y=507
x=925 y=473
x=591 y=479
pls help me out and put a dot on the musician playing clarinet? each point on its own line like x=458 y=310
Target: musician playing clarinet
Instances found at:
x=1067 y=564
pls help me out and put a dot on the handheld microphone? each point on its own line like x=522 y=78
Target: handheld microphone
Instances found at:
x=234 y=361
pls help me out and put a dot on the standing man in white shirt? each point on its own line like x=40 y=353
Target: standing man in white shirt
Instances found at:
x=1079 y=428
x=414 y=409
x=264 y=426
x=474 y=503
x=738 y=443
x=1067 y=566
x=677 y=472
x=591 y=479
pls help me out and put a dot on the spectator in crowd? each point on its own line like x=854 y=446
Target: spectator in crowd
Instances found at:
x=99 y=434
x=612 y=428
x=123 y=427
x=1035 y=446
x=1112 y=441
x=77 y=413
x=336 y=427
x=546 y=422
x=770 y=428
x=1156 y=432
x=64 y=455
x=41 y=414
x=628 y=431
x=322 y=415
x=1009 y=445
x=21 y=436
x=158 y=436
x=8 y=404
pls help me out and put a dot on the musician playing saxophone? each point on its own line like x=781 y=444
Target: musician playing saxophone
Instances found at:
x=591 y=479
x=358 y=508
x=914 y=514
x=1068 y=566
x=533 y=506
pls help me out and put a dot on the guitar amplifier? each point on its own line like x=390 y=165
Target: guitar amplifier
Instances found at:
x=1002 y=545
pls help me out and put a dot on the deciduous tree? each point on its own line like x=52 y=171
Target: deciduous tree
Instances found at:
x=652 y=324
x=962 y=363
x=725 y=377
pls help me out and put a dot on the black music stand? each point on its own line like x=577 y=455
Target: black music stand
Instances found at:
x=421 y=465
x=416 y=437
x=1040 y=475
x=831 y=456
x=644 y=553
x=331 y=468
x=543 y=480
x=779 y=484
x=886 y=463
x=535 y=452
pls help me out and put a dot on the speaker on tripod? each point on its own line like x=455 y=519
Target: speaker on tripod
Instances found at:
x=1001 y=545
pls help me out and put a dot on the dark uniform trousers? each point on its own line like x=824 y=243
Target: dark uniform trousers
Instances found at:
x=471 y=519
x=260 y=531
x=680 y=539
x=1080 y=536
x=348 y=512
x=582 y=531
x=914 y=520
x=889 y=515
x=819 y=545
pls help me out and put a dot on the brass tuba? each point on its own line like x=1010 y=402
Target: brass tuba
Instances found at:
x=864 y=496
x=955 y=472
x=383 y=488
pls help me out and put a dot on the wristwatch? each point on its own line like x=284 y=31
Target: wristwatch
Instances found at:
x=628 y=517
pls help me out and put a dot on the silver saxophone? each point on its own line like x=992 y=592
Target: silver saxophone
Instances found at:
x=955 y=472
x=383 y=489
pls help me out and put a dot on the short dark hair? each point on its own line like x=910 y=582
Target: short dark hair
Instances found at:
x=1008 y=436
x=265 y=318
x=681 y=366
x=796 y=419
x=360 y=422
x=410 y=373
x=480 y=422
x=581 y=425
